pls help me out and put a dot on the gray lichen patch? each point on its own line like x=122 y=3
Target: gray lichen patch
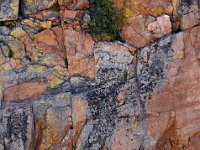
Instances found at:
x=9 y=10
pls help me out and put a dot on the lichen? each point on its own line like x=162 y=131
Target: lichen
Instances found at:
x=18 y=33
x=54 y=81
x=135 y=8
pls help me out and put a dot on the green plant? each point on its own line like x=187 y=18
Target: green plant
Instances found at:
x=1 y=23
x=105 y=20
x=125 y=75
x=41 y=29
x=28 y=57
x=66 y=62
x=55 y=7
x=10 y=53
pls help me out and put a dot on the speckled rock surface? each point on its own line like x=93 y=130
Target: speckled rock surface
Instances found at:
x=9 y=10
x=61 y=89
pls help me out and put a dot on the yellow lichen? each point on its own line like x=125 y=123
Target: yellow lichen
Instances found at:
x=49 y=135
x=36 y=69
x=15 y=7
x=135 y=8
x=54 y=81
x=18 y=33
x=6 y=67
x=43 y=101
x=181 y=55
x=59 y=70
x=47 y=60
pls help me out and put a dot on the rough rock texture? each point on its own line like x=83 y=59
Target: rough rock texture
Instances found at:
x=9 y=10
x=60 y=89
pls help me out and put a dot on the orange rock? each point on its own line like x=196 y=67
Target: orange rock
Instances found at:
x=47 y=37
x=79 y=114
x=122 y=136
x=68 y=14
x=15 y=63
x=79 y=53
x=24 y=91
x=119 y=4
x=65 y=2
x=82 y=4
x=160 y=27
x=52 y=42
x=174 y=111
x=135 y=33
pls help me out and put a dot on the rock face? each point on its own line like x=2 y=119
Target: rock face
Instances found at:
x=9 y=10
x=61 y=89
x=24 y=91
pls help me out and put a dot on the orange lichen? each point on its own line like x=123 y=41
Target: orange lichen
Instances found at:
x=46 y=134
x=135 y=8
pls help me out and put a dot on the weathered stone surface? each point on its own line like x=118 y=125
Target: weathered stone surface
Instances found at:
x=52 y=120
x=47 y=37
x=140 y=31
x=16 y=128
x=190 y=13
x=80 y=57
x=9 y=10
x=184 y=94
x=24 y=91
x=61 y=89
x=145 y=7
x=161 y=26
x=74 y=4
x=173 y=105
x=31 y=7
x=113 y=61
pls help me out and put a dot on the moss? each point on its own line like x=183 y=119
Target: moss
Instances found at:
x=2 y=23
x=40 y=29
x=55 y=7
x=10 y=24
x=10 y=53
x=66 y=62
x=27 y=57
x=105 y=20
x=125 y=76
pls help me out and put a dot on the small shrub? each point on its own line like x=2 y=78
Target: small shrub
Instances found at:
x=105 y=20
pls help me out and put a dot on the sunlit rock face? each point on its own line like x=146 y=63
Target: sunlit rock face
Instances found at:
x=62 y=89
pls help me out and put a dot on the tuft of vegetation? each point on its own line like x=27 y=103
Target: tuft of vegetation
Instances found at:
x=41 y=29
x=2 y=23
x=28 y=58
x=10 y=53
x=105 y=20
x=55 y=7
x=125 y=75
x=66 y=62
